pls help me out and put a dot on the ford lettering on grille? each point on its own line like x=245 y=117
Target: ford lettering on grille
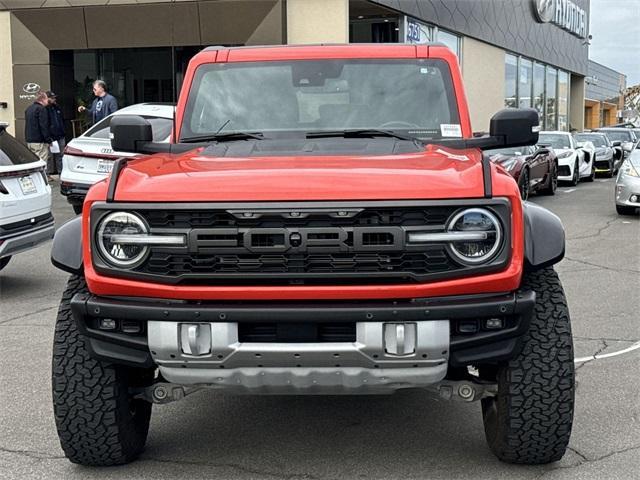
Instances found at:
x=297 y=240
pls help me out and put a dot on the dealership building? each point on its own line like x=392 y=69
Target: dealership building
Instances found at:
x=604 y=96
x=527 y=53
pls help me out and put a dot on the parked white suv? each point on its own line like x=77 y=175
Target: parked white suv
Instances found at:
x=89 y=158
x=25 y=199
x=574 y=162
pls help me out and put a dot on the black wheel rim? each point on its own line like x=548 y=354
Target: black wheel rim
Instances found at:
x=575 y=174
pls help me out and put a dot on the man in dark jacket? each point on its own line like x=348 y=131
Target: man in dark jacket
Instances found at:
x=104 y=104
x=56 y=127
x=37 y=132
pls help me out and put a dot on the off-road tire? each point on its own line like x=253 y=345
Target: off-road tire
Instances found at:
x=529 y=421
x=77 y=209
x=4 y=261
x=625 y=210
x=98 y=421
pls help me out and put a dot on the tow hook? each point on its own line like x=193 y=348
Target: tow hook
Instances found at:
x=467 y=391
x=163 y=392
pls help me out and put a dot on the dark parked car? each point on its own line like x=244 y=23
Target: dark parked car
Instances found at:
x=625 y=136
x=607 y=157
x=534 y=168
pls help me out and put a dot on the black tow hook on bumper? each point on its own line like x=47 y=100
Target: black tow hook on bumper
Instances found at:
x=483 y=328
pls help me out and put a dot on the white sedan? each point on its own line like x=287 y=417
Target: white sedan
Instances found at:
x=574 y=162
x=89 y=158
x=25 y=199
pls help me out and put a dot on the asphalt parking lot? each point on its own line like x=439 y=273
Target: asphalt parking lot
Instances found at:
x=410 y=435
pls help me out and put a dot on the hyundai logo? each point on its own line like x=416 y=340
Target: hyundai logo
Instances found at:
x=31 y=88
x=545 y=10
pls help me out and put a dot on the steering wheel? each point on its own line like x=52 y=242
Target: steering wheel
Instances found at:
x=399 y=124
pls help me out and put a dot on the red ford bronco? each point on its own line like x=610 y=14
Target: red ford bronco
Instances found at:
x=323 y=221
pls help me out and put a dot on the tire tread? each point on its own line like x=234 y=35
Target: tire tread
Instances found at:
x=530 y=421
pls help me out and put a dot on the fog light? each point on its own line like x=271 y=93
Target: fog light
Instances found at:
x=467 y=326
x=493 y=323
x=107 y=324
x=129 y=326
x=634 y=198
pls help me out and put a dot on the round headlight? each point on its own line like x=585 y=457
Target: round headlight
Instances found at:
x=121 y=254
x=475 y=220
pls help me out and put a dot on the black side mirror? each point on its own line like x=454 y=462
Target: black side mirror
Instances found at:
x=129 y=132
x=515 y=126
x=616 y=143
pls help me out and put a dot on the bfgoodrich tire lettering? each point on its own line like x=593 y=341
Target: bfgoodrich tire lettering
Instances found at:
x=530 y=419
x=97 y=420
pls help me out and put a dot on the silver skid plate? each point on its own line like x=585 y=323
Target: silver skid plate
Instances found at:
x=385 y=357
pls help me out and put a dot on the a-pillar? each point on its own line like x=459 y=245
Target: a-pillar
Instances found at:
x=317 y=21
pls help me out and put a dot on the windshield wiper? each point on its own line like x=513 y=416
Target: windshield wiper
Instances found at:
x=364 y=132
x=223 y=137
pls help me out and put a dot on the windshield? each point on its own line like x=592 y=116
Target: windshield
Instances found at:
x=409 y=96
x=619 y=135
x=555 y=140
x=597 y=140
x=509 y=152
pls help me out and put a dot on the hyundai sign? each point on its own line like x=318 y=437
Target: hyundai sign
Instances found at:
x=563 y=13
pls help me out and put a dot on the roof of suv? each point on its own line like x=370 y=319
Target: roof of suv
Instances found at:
x=314 y=45
x=318 y=51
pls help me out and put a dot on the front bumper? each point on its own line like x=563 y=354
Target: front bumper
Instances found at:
x=403 y=344
x=25 y=240
x=565 y=169
x=75 y=192
x=626 y=187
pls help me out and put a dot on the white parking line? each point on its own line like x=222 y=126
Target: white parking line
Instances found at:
x=568 y=190
x=633 y=347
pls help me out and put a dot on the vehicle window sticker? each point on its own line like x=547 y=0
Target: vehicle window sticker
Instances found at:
x=450 y=130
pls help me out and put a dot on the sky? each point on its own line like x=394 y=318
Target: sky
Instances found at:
x=615 y=26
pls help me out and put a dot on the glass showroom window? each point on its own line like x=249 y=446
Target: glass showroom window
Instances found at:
x=450 y=40
x=563 y=101
x=552 y=110
x=510 y=79
x=525 y=80
x=538 y=90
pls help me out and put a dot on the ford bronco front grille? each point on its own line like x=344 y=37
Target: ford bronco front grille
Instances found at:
x=300 y=244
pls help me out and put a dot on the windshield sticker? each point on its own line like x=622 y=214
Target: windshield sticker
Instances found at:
x=462 y=158
x=450 y=130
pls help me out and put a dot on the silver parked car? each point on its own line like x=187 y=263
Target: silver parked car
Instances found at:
x=628 y=184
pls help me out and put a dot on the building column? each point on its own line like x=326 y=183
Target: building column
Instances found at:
x=576 y=103
x=31 y=70
x=317 y=21
x=7 y=115
x=483 y=74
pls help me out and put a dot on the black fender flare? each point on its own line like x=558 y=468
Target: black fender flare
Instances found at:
x=66 y=252
x=544 y=238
